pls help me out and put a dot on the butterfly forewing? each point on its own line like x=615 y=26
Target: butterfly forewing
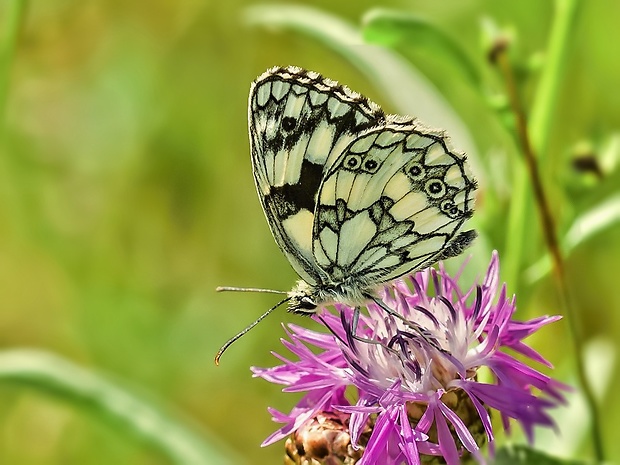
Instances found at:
x=393 y=202
x=300 y=123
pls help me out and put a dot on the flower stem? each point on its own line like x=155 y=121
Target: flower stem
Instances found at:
x=533 y=139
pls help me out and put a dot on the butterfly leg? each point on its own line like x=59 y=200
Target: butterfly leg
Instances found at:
x=355 y=321
x=352 y=333
x=351 y=330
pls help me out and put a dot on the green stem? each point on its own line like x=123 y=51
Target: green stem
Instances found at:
x=539 y=126
x=8 y=40
x=517 y=221
x=539 y=129
x=534 y=138
x=548 y=89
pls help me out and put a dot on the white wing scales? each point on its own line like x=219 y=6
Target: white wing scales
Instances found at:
x=352 y=197
x=299 y=125
x=393 y=202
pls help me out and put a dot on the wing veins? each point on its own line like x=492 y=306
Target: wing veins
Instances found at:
x=339 y=119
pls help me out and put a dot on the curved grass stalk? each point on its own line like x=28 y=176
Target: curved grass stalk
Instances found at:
x=109 y=402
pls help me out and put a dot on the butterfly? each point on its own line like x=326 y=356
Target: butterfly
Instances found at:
x=355 y=198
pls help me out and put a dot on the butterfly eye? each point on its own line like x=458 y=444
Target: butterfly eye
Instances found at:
x=353 y=162
x=288 y=123
x=435 y=188
x=416 y=171
x=306 y=303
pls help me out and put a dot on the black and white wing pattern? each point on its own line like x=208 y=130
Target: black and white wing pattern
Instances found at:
x=353 y=197
x=300 y=124
x=394 y=202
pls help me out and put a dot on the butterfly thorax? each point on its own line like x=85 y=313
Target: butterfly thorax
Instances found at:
x=306 y=298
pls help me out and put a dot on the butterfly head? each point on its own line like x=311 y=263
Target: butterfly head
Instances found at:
x=304 y=299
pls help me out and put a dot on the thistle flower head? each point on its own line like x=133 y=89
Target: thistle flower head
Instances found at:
x=414 y=359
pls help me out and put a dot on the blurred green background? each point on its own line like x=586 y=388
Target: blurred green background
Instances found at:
x=126 y=197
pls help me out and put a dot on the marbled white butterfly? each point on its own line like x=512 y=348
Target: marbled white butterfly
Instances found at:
x=354 y=198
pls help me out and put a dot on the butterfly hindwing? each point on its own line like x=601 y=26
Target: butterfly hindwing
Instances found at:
x=300 y=123
x=393 y=202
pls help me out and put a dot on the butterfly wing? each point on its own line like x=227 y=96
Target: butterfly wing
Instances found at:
x=299 y=124
x=394 y=202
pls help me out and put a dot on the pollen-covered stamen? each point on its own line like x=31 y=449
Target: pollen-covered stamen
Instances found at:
x=400 y=357
x=348 y=331
x=428 y=314
x=410 y=358
x=418 y=289
x=421 y=336
x=393 y=313
x=450 y=308
x=477 y=303
x=398 y=338
x=441 y=361
x=419 y=352
x=428 y=337
x=352 y=337
x=411 y=349
x=357 y=366
x=415 y=367
x=442 y=340
x=438 y=288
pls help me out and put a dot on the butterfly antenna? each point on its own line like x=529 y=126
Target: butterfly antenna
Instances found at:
x=241 y=333
x=247 y=289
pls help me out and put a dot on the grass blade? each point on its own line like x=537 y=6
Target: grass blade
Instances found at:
x=109 y=402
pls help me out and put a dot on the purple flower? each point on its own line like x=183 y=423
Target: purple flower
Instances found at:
x=414 y=359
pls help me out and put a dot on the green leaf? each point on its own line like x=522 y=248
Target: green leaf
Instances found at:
x=402 y=84
x=107 y=401
x=573 y=419
x=585 y=227
x=517 y=455
x=412 y=35
x=596 y=220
